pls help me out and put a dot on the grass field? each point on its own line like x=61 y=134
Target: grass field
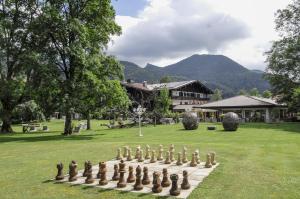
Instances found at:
x=257 y=161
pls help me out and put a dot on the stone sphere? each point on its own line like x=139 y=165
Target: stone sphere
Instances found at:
x=230 y=121
x=190 y=121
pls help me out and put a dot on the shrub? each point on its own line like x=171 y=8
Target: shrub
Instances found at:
x=190 y=121
x=230 y=121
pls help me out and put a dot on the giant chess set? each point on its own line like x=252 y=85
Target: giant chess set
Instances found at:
x=149 y=173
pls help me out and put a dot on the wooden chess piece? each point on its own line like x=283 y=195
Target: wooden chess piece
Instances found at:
x=179 y=162
x=99 y=171
x=84 y=174
x=156 y=188
x=185 y=182
x=116 y=173
x=184 y=155
x=213 y=158
x=147 y=156
x=160 y=153
x=193 y=161
x=60 y=175
x=125 y=152
x=174 y=191
x=165 y=181
x=89 y=174
x=167 y=160
x=73 y=171
x=146 y=179
x=131 y=177
x=137 y=152
x=138 y=183
x=103 y=180
x=129 y=156
x=208 y=161
x=141 y=156
x=197 y=156
x=172 y=151
x=153 y=157
x=122 y=171
x=119 y=155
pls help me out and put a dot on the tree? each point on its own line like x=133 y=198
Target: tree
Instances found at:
x=254 y=92
x=242 y=92
x=162 y=102
x=17 y=58
x=217 y=95
x=283 y=70
x=75 y=34
x=267 y=94
x=165 y=79
x=295 y=102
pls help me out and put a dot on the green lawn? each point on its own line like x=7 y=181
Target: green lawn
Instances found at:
x=257 y=161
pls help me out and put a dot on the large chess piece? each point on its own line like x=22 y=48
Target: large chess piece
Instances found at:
x=84 y=174
x=146 y=179
x=122 y=172
x=185 y=182
x=165 y=181
x=141 y=156
x=213 y=158
x=131 y=177
x=99 y=171
x=172 y=151
x=147 y=156
x=129 y=156
x=160 y=153
x=137 y=152
x=167 y=160
x=89 y=174
x=208 y=161
x=156 y=188
x=197 y=156
x=125 y=152
x=138 y=182
x=184 y=155
x=174 y=191
x=60 y=175
x=103 y=180
x=119 y=155
x=179 y=162
x=193 y=161
x=73 y=171
x=116 y=173
x=153 y=157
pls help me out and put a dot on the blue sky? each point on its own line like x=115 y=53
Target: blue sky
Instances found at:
x=128 y=7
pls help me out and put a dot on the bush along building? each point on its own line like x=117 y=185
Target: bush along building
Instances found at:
x=184 y=94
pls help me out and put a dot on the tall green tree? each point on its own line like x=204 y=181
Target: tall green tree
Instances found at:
x=217 y=95
x=254 y=92
x=162 y=102
x=283 y=69
x=165 y=79
x=76 y=34
x=242 y=92
x=267 y=94
x=17 y=59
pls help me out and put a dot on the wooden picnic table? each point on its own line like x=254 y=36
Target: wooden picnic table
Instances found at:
x=28 y=127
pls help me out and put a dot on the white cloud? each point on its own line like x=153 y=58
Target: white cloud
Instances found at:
x=167 y=31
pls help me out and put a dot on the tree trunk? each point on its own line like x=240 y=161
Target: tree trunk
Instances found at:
x=68 y=123
x=88 y=121
x=6 y=119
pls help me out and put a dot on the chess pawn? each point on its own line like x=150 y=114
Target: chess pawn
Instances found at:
x=103 y=180
x=185 y=182
x=89 y=174
x=174 y=191
x=160 y=153
x=213 y=158
x=125 y=152
x=208 y=161
x=156 y=188
x=165 y=181
x=137 y=152
x=138 y=183
x=129 y=156
x=184 y=155
x=119 y=155
x=193 y=161
x=197 y=157
x=167 y=160
x=85 y=168
x=122 y=171
x=131 y=177
x=145 y=179
x=60 y=175
x=73 y=171
x=147 y=156
x=141 y=156
x=179 y=162
x=153 y=157
x=116 y=173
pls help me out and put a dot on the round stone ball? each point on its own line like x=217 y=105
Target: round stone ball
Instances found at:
x=190 y=121
x=231 y=121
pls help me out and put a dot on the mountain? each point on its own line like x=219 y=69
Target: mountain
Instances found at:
x=216 y=71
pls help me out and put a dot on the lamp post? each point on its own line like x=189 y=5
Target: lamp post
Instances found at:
x=139 y=111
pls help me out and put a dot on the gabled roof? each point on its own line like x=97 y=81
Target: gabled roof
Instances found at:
x=242 y=101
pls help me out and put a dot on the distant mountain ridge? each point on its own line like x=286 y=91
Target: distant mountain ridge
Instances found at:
x=216 y=71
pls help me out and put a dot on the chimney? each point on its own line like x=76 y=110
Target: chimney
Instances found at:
x=145 y=83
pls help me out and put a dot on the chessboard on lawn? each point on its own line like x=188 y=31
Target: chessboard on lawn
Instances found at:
x=119 y=173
